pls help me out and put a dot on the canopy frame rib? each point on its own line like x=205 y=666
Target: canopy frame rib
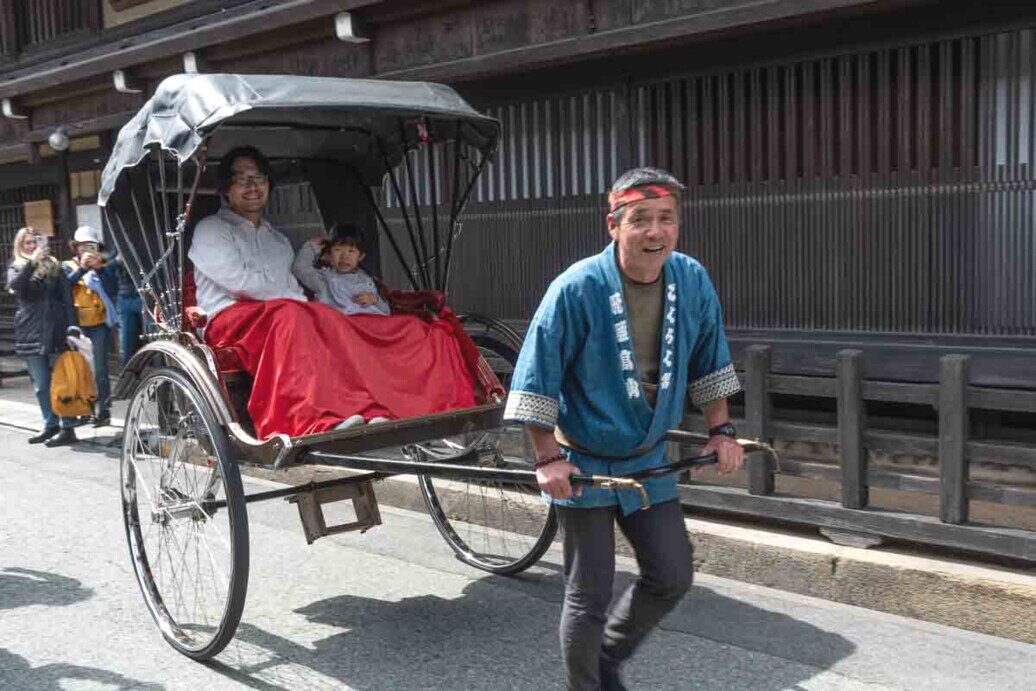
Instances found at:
x=460 y=203
x=388 y=233
x=401 y=200
x=424 y=256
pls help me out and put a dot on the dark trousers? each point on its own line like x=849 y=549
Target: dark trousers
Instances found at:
x=101 y=338
x=590 y=636
x=131 y=325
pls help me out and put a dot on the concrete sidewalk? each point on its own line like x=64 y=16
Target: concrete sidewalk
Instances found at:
x=991 y=600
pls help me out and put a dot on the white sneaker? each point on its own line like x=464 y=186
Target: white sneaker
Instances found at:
x=378 y=420
x=351 y=421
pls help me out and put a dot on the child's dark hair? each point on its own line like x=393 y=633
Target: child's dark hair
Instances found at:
x=345 y=234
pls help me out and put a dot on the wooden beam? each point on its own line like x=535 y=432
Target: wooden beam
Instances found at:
x=757 y=417
x=231 y=25
x=996 y=362
x=112 y=121
x=608 y=42
x=953 y=438
x=852 y=419
x=8 y=33
x=1005 y=542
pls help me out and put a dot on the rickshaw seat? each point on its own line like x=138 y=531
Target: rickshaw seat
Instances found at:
x=429 y=305
x=228 y=360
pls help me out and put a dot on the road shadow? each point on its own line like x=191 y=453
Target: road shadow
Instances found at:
x=494 y=636
x=25 y=587
x=17 y=673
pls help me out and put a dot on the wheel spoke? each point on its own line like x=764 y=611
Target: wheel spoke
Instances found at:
x=185 y=557
x=496 y=526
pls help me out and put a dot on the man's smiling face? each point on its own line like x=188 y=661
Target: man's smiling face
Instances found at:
x=646 y=236
x=249 y=189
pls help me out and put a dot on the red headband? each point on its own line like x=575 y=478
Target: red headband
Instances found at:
x=617 y=200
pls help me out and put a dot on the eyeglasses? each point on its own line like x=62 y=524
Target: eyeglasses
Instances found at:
x=248 y=180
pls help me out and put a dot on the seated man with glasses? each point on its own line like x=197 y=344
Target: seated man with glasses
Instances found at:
x=236 y=252
x=313 y=368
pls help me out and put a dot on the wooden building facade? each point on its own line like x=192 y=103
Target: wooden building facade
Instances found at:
x=857 y=171
x=860 y=173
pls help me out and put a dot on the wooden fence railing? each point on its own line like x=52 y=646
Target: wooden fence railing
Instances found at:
x=955 y=449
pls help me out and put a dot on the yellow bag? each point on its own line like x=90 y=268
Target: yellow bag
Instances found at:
x=72 y=390
x=89 y=305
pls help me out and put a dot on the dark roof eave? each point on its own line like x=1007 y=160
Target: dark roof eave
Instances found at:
x=730 y=18
x=239 y=22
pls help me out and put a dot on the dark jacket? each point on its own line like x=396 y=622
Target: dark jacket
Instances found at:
x=44 y=310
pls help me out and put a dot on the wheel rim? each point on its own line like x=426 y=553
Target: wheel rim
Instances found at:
x=174 y=500
x=495 y=526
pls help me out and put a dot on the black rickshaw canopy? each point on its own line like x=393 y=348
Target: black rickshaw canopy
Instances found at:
x=368 y=124
x=346 y=137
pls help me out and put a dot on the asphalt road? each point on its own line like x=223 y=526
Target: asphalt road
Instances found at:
x=393 y=609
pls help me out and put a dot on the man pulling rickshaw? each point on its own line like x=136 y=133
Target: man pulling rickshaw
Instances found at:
x=619 y=343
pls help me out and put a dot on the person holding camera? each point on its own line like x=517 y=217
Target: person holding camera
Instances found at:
x=94 y=288
x=41 y=322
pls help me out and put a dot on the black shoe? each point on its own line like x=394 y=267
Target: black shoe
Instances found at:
x=64 y=438
x=103 y=420
x=609 y=672
x=43 y=436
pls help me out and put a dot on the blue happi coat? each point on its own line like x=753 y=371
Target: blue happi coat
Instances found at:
x=578 y=372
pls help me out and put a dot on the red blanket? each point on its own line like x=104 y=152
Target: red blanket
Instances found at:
x=314 y=366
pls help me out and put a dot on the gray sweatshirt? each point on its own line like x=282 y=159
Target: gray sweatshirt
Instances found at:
x=334 y=288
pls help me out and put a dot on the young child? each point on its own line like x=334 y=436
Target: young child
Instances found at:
x=330 y=267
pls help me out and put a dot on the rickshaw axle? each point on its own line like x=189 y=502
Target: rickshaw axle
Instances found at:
x=296 y=489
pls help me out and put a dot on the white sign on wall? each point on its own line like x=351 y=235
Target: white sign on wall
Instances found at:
x=89 y=215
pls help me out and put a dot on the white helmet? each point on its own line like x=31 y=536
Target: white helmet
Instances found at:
x=87 y=234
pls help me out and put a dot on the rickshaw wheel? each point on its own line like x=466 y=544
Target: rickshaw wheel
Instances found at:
x=499 y=528
x=184 y=510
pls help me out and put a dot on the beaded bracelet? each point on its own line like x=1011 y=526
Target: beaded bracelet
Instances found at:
x=547 y=460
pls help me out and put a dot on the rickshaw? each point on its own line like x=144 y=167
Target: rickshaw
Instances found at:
x=405 y=156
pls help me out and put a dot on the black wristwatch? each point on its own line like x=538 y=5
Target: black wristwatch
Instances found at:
x=724 y=430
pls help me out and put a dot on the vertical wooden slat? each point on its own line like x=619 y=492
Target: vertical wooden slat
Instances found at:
x=709 y=123
x=757 y=126
x=660 y=147
x=640 y=115
x=851 y=423
x=94 y=15
x=758 y=360
x=740 y=136
x=792 y=118
x=565 y=143
x=554 y=140
x=9 y=28
x=953 y=438
x=623 y=128
x=693 y=133
x=576 y=151
x=522 y=170
x=808 y=119
x=675 y=128
x=590 y=128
